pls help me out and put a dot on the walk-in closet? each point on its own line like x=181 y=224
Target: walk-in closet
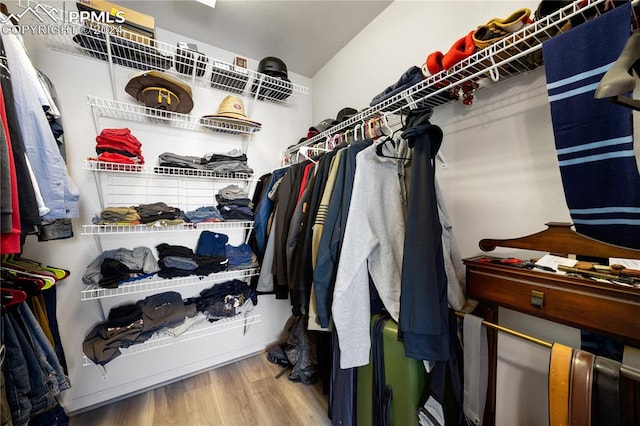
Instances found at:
x=356 y=213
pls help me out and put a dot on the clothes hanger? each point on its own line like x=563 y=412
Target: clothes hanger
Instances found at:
x=380 y=153
x=11 y=297
x=390 y=138
x=386 y=123
x=618 y=80
x=49 y=280
x=31 y=286
x=304 y=151
x=372 y=128
x=29 y=265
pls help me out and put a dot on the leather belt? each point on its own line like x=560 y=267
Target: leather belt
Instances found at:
x=580 y=399
x=606 y=392
x=631 y=362
x=559 y=377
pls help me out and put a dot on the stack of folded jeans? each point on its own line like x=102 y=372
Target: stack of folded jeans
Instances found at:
x=234 y=212
x=159 y=213
x=169 y=159
x=234 y=203
x=119 y=146
x=241 y=257
x=234 y=161
x=204 y=214
x=117 y=216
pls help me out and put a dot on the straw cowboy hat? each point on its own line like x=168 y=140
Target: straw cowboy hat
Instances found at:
x=159 y=90
x=231 y=110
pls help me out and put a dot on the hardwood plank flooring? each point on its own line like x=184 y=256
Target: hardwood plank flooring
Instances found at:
x=244 y=393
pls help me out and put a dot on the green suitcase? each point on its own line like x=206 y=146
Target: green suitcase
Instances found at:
x=405 y=383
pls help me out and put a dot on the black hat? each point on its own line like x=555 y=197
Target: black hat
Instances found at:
x=274 y=67
x=325 y=124
x=346 y=113
x=113 y=271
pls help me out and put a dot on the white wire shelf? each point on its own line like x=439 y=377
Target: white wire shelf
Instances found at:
x=159 y=171
x=93 y=292
x=199 y=330
x=145 y=229
x=510 y=57
x=121 y=47
x=142 y=114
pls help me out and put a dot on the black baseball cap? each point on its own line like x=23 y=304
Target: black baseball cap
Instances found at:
x=325 y=124
x=346 y=113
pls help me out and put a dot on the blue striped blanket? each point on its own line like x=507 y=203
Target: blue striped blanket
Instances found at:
x=594 y=137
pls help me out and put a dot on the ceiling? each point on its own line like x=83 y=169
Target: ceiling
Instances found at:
x=305 y=34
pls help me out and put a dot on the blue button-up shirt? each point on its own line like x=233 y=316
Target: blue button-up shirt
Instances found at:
x=59 y=192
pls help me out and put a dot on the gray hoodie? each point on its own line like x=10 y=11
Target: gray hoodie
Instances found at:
x=373 y=244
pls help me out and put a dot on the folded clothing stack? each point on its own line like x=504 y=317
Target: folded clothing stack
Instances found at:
x=232 y=162
x=117 y=216
x=169 y=159
x=113 y=267
x=226 y=300
x=180 y=261
x=159 y=214
x=119 y=146
x=204 y=214
x=135 y=323
x=212 y=244
x=234 y=203
x=241 y=257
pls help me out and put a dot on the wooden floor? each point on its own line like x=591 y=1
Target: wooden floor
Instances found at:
x=241 y=394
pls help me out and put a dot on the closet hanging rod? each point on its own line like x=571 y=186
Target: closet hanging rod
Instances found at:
x=626 y=371
x=512 y=332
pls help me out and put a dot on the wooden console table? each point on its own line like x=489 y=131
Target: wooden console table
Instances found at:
x=604 y=308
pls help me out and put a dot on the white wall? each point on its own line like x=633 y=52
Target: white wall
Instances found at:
x=76 y=77
x=502 y=178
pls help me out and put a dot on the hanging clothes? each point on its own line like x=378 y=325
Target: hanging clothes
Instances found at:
x=28 y=207
x=423 y=306
x=324 y=274
x=33 y=374
x=373 y=245
x=59 y=193
x=10 y=197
